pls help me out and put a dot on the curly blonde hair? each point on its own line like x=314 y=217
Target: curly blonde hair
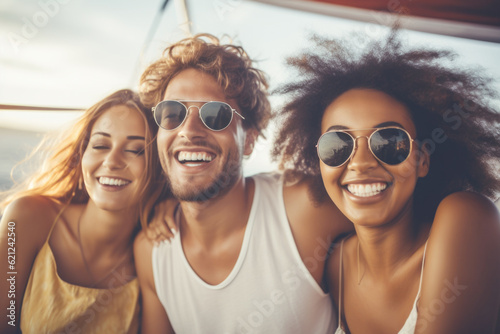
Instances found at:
x=228 y=64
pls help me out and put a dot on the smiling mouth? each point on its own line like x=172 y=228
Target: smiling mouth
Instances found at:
x=367 y=189
x=194 y=159
x=110 y=181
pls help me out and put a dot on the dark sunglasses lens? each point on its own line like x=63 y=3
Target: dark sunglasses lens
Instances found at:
x=216 y=115
x=170 y=114
x=391 y=146
x=334 y=148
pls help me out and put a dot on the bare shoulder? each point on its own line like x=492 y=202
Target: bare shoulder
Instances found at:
x=143 y=250
x=154 y=316
x=24 y=227
x=33 y=217
x=143 y=246
x=142 y=243
x=462 y=267
x=30 y=206
x=466 y=213
x=468 y=200
x=466 y=222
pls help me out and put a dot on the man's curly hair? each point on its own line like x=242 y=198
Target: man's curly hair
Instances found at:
x=228 y=64
x=452 y=109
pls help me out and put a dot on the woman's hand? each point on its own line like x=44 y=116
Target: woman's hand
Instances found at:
x=163 y=226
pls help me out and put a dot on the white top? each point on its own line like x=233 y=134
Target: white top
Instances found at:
x=269 y=289
x=410 y=323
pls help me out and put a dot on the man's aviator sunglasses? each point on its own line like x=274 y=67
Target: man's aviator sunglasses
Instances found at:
x=390 y=145
x=216 y=116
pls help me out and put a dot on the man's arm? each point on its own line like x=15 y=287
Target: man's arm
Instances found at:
x=154 y=317
x=314 y=225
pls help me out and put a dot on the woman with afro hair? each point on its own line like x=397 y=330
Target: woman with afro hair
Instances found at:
x=408 y=147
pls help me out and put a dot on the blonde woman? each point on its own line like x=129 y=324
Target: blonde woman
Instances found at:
x=66 y=233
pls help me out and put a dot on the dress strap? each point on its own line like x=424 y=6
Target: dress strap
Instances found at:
x=59 y=214
x=422 y=271
x=340 y=280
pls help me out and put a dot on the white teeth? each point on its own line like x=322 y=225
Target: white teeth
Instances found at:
x=366 y=190
x=112 y=181
x=194 y=157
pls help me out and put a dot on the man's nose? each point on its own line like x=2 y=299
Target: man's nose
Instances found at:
x=193 y=126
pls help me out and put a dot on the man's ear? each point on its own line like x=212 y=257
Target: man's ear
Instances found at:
x=424 y=160
x=250 y=139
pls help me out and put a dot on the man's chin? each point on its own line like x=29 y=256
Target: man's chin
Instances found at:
x=199 y=194
x=199 y=189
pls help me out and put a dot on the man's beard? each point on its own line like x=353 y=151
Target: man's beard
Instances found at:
x=222 y=183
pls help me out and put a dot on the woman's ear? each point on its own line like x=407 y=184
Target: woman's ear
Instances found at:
x=250 y=138
x=424 y=160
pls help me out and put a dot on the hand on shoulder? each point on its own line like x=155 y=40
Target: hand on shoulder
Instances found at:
x=163 y=225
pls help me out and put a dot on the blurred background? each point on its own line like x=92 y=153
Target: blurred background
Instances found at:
x=60 y=55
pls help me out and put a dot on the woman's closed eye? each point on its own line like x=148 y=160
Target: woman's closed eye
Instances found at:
x=100 y=147
x=136 y=151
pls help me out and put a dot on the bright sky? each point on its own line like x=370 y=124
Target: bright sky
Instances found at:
x=72 y=53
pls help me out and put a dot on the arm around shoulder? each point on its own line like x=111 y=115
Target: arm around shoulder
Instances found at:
x=460 y=292
x=154 y=317
x=24 y=227
x=308 y=215
x=315 y=225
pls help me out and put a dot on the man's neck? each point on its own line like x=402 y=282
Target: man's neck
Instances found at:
x=214 y=220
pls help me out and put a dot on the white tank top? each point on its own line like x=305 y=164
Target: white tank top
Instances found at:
x=410 y=323
x=269 y=289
